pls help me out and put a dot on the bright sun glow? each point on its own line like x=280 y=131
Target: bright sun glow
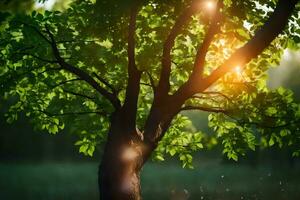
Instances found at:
x=210 y=5
x=238 y=70
x=48 y=5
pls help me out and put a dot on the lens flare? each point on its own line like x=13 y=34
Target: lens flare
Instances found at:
x=129 y=153
x=238 y=70
x=238 y=74
x=210 y=5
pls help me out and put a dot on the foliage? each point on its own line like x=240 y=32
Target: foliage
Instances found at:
x=92 y=36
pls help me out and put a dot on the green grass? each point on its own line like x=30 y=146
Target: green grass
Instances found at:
x=209 y=180
x=212 y=180
x=48 y=181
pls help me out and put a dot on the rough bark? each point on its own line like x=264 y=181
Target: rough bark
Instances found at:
x=119 y=171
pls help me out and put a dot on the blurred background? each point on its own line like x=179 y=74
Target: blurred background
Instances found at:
x=39 y=166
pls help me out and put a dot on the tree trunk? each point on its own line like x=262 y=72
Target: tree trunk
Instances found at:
x=119 y=171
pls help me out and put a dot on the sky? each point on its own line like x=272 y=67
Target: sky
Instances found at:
x=47 y=4
x=287 y=74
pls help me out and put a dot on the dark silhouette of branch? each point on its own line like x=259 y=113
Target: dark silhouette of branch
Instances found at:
x=164 y=84
x=217 y=93
x=66 y=81
x=36 y=30
x=81 y=74
x=77 y=41
x=236 y=83
x=66 y=66
x=202 y=108
x=164 y=109
x=22 y=51
x=72 y=113
x=134 y=75
x=261 y=40
x=210 y=98
x=15 y=77
x=106 y=83
x=78 y=94
x=189 y=145
x=72 y=93
x=262 y=124
x=152 y=82
x=213 y=29
x=43 y=59
x=146 y=84
x=37 y=57
x=50 y=69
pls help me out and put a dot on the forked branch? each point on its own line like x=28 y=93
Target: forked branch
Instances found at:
x=261 y=40
x=213 y=29
x=134 y=74
x=183 y=19
x=68 y=67
x=80 y=73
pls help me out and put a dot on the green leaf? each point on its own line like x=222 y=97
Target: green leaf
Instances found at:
x=271 y=141
x=159 y=157
x=83 y=148
x=271 y=111
x=172 y=152
x=91 y=150
x=53 y=128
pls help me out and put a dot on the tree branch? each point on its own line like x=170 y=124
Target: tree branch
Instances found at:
x=164 y=111
x=72 y=113
x=165 y=107
x=78 y=94
x=81 y=74
x=202 y=108
x=217 y=93
x=262 y=39
x=66 y=81
x=134 y=75
x=37 y=57
x=106 y=83
x=36 y=30
x=263 y=124
x=164 y=84
x=146 y=84
x=152 y=82
x=213 y=29
x=72 y=93
x=50 y=69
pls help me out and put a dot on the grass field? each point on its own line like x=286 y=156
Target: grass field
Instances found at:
x=209 y=180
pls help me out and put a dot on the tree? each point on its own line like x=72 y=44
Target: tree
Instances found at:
x=121 y=73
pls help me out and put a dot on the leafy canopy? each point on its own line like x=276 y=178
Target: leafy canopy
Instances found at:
x=92 y=36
